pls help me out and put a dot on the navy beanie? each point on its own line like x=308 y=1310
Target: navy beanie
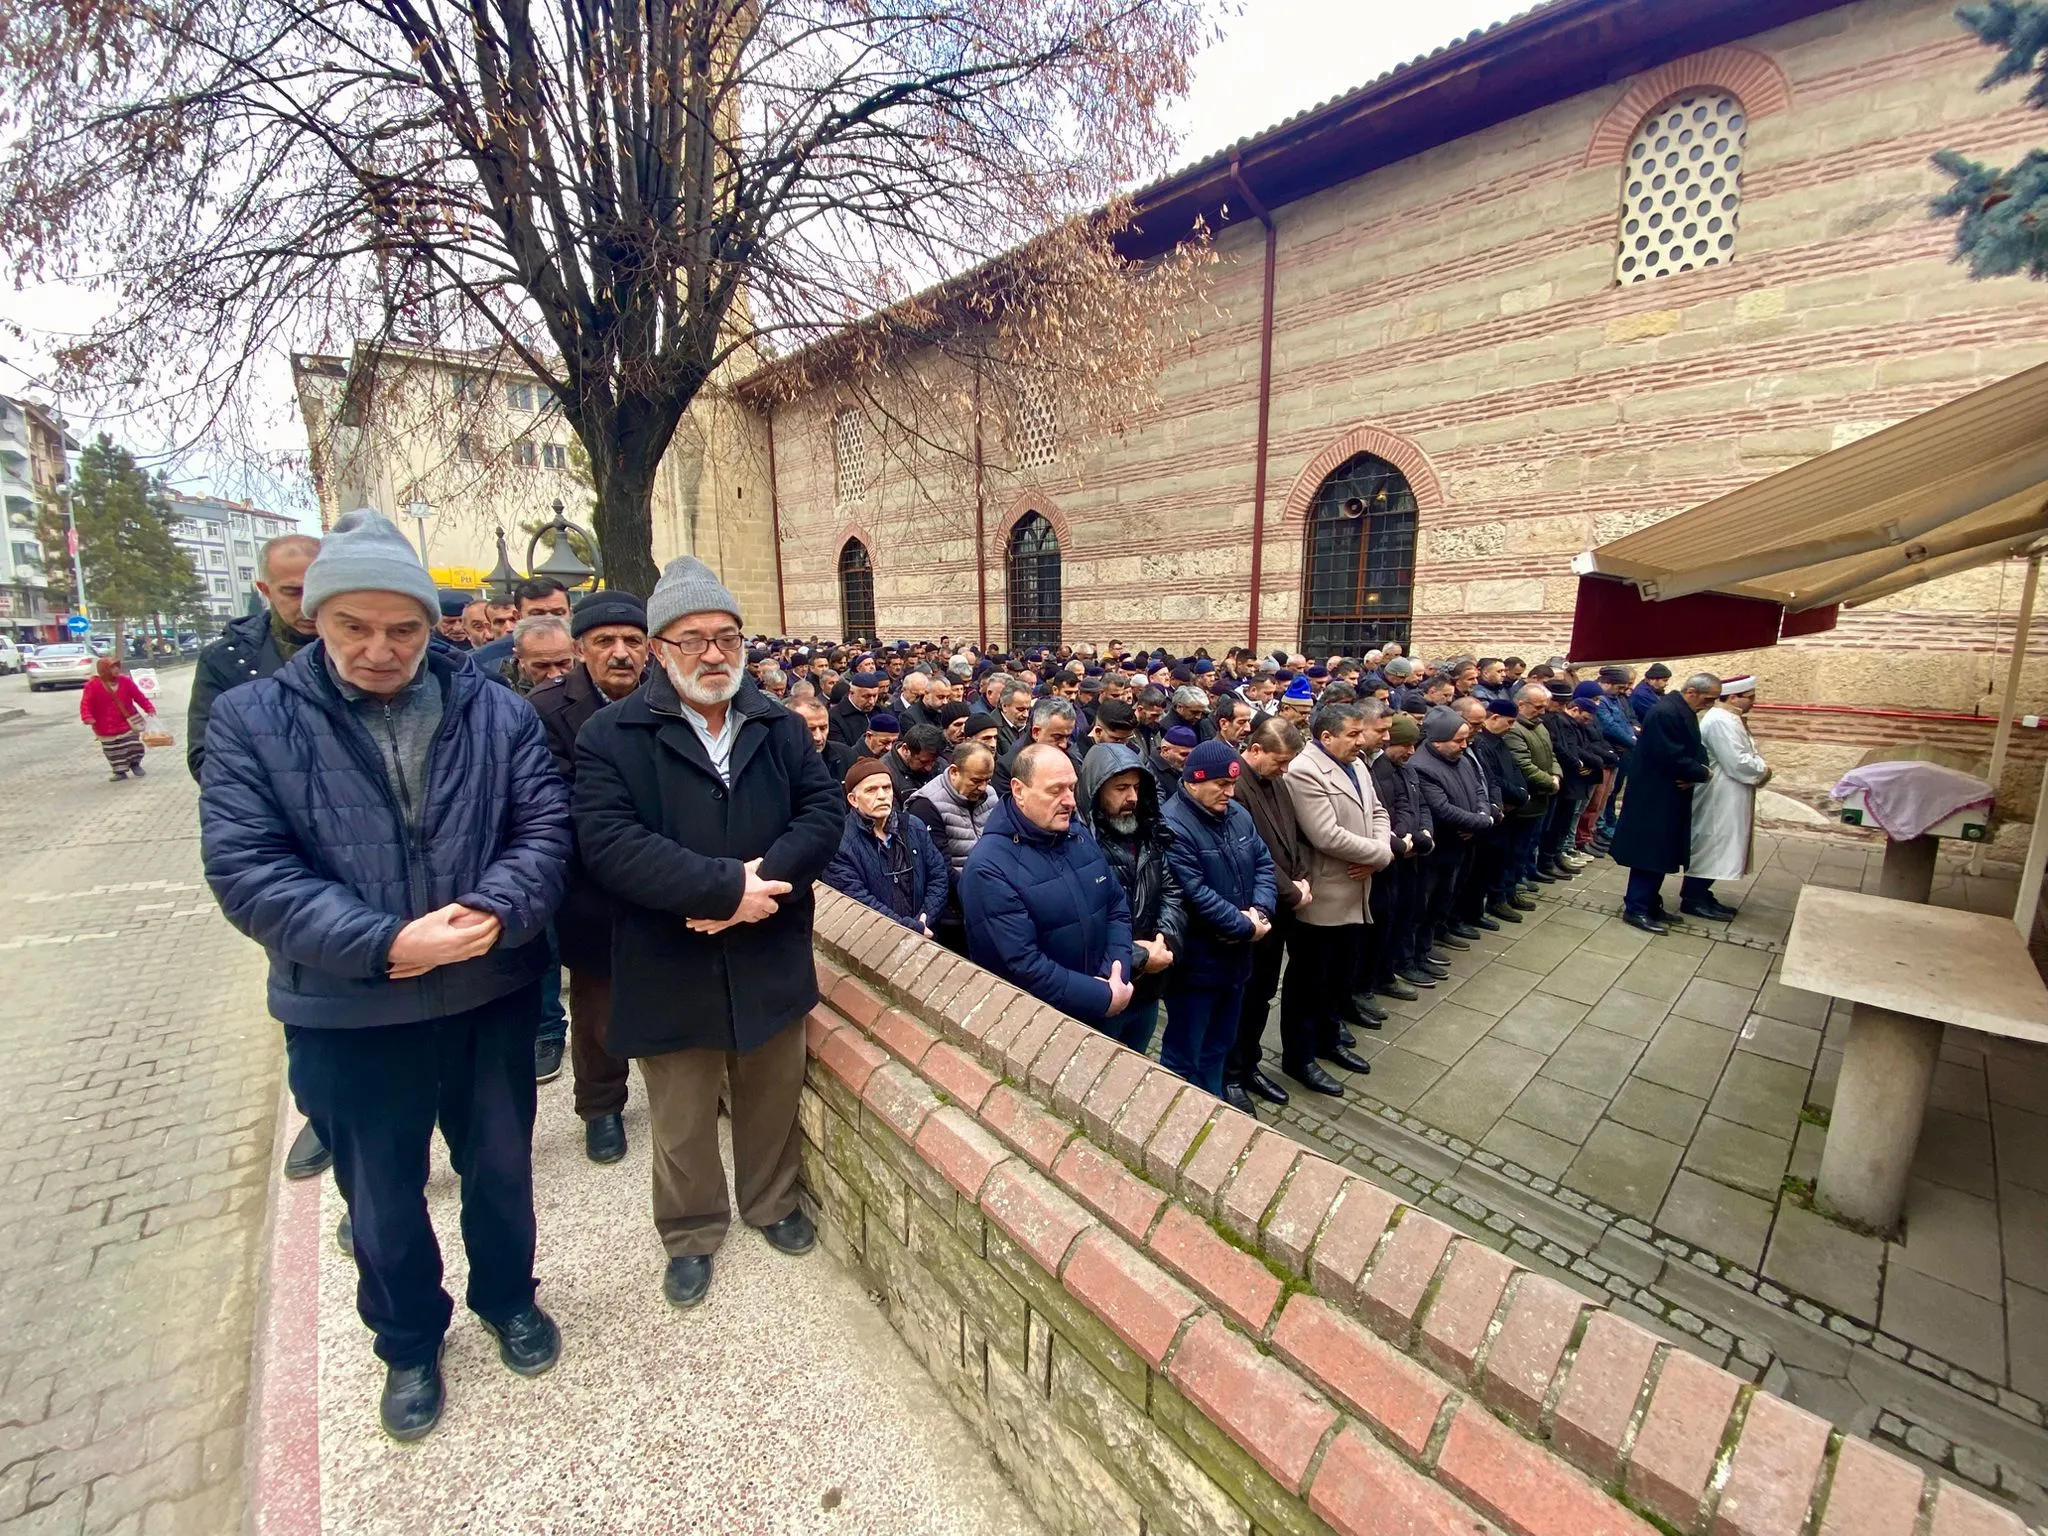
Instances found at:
x=1212 y=760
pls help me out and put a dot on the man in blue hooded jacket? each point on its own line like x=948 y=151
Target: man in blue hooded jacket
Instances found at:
x=389 y=825
x=1044 y=909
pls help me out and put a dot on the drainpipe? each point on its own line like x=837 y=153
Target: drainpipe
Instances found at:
x=1265 y=394
x=980 y=520
x=775 y=531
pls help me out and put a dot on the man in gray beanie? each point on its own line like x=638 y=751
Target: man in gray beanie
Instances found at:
x=703 y=811
x=388 y=824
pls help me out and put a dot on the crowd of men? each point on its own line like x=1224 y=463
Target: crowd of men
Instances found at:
x=425 y=807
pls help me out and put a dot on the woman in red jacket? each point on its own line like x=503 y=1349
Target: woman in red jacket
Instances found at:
x=113 y=706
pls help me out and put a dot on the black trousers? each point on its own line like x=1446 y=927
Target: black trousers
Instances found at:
x=1253 y=1012
x=1442 y=873
x=1322 y=974
x=1484 y=874
x=1390 y=940
x=375 y=1095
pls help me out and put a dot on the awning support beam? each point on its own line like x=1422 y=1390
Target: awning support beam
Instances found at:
x=2002 y=742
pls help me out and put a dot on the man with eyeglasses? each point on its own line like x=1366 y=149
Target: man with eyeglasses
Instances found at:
x=704 y=811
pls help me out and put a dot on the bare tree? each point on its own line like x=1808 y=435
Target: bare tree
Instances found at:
x=631 y=200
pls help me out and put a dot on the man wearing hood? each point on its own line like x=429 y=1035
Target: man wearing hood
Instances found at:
x=1043 y=909
x=1118 y=802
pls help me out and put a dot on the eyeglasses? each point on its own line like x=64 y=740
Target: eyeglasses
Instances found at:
x=727 y=640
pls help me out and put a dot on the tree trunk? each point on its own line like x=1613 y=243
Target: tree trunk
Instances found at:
x=625 y=529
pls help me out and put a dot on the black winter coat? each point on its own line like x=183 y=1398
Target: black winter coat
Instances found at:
x=667 y=840
x=1272 y=812
x=245 y=651
x=583 y=925
x=850 y=726
x=1401 y=794
x=1140 y=863
x=1504 y=780
x=1655 y=831
x=309 y=855
x=1456 y=793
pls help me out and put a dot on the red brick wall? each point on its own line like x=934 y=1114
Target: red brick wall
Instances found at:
x=1163 y=1315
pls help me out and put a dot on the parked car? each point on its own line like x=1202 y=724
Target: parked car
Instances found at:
x=53 y=666
x=10 y=657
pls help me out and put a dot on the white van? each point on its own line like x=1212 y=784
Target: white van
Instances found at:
x=10 y=657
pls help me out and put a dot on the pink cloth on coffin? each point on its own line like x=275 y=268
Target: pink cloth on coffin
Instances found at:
x=1906 y=798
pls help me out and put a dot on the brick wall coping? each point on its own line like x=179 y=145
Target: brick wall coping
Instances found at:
x=1371 y=1361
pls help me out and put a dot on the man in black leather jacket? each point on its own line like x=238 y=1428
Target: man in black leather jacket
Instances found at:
x=1118 y=801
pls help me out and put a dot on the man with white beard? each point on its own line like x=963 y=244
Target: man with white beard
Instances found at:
x=1724 y=808
x=703 y=810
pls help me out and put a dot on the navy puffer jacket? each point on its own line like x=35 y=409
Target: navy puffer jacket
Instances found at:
x=1221 y=865
x=1046 y=913
x=308 y=853
x=861 y=870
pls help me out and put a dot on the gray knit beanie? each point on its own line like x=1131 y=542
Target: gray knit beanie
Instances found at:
x=1441 y=724
x=365 y=552
x=687 y=585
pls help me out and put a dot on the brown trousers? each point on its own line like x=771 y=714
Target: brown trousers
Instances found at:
x=691 y=1211
x=600 y=1077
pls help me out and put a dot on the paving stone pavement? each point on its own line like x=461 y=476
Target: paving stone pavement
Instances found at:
x=135 y=1142
x=1638 y=1115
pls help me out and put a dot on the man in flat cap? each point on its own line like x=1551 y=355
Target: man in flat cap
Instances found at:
x=703 y=809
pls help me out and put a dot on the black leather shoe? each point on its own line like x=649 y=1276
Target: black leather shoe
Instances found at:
x=1502 y=910
x=687 y=1280
x=1451 y=940
x=1235 y=1096
x=1462 y=931
x=345 y=1235
x=1349 y=1060
x=1557 y=872
x=1397 y=988
x=528 y=1343
x=1366 y=1013
x=308 y=1157
x=411 y=1404
x=1707 y=912
x=1647 y=924
x=1486 y=924
x=1315 y=1079
x=793 y=1234
x=1437 y=961
x=1345 y=1038
x=547 y=1060
x=1522 y=903
x=1540 y=878
x=1260 y=1086
x=604 y=1138
x=1415 y=977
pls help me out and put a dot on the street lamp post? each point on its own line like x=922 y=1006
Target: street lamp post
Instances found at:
x=562 y=562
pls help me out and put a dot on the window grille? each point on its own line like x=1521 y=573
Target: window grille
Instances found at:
x=856 y=592
x=1036 y=425
x=852 y=464
x=1359 y=567
x=1682 y=187
x=1034 y=571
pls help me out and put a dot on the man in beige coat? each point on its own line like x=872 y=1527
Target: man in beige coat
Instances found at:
x=1348 y=836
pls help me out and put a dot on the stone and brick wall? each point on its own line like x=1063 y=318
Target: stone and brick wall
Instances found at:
x=1459 y=309
x=1165 y=1317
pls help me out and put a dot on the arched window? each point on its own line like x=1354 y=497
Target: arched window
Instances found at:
x=1359 y=567
x=856 y=592
x=1034 y=583
x=1682 y=186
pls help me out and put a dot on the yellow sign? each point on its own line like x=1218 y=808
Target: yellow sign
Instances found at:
x=463 y=577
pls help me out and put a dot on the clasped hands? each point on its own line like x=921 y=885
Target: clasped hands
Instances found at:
x=758 y=900
x=446 y=936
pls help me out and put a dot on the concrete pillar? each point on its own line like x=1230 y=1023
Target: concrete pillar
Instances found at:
x=1880 y=1102
x=1908 y=873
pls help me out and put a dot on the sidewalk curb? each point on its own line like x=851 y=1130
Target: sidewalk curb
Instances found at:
x=12 y=714
x=281 y=1442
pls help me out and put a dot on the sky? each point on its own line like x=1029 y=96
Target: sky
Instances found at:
x=1277 y=58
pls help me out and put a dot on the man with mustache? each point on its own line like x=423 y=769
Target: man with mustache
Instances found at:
x=610 y=634
x=703 y=810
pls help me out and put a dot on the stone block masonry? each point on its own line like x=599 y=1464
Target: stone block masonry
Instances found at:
x=1165 y=1318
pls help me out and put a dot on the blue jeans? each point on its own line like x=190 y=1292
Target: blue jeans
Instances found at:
x=1201 y=1027
x=1528 y=843
x=1134 y=1026
x=554 y=1024
x=1645 y=896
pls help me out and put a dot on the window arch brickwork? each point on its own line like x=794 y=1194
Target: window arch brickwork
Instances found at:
x=1397 y=451
x=1752 y=76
